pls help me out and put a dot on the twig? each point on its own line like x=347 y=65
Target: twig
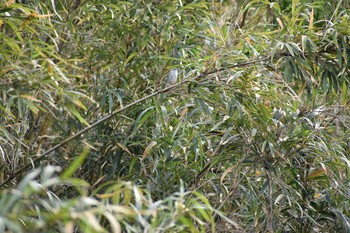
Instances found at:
x=207 y=166
x=231 y=192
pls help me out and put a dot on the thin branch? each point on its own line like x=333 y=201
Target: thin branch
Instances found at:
x=207 y=166
x=233 y=190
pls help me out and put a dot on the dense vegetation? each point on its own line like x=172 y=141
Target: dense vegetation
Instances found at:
x=253 y=137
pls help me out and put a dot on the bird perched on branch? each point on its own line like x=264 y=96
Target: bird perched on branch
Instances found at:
x=172 y=77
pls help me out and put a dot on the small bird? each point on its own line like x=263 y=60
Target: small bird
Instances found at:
x=172 y=77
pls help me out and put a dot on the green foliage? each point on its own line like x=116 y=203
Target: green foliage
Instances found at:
x=34 y=206
x=252 y=138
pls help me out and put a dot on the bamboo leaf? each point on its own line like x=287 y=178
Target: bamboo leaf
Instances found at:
x=148 y=149
x=76 y=164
